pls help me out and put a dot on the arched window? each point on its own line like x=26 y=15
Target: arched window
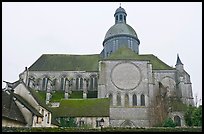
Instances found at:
x=126 y=100
x=118 y=100
x=134 y=100
x=121 y=17
x=116 y=17
x=177 y=120
x=77 y=83
x=110 y=96
x=91 y=83
x=96 y=83
x=44 y=84
x=142 y=100
x=62 y=84
x=124 y=18
x=81 y=83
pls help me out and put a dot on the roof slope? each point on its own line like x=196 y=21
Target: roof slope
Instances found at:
x=125 y=53
x=64 y=62
x=27 y=105
x=82 y=108
x=10 y=109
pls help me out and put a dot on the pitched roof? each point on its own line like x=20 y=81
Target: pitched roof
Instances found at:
x=65 y=62
x=82 y=108
x=125 y=53
x=27 y=105
x=10 y=109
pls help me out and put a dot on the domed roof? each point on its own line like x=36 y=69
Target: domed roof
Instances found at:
x=120 y=9
x=120 y=29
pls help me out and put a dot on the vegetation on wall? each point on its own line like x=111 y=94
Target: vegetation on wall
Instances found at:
x=162 y=105
x=67 y=121
x=193 y=116
x=169 y=123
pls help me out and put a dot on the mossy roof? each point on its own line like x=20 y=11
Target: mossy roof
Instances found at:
x=65 y=62
x=125 y=53
x=82 y=108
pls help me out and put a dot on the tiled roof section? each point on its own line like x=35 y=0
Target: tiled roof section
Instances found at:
x=38 y=98
x=27 y=105
x=12 y=85
x=64 y=62
x=125 y=53
x=82 y=108
x=10 y=109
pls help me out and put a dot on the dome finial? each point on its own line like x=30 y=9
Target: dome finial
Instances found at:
x=120 y=5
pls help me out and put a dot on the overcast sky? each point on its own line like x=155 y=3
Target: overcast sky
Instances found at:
x=164 y=29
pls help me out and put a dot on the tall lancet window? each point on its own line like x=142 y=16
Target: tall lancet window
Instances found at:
x=126 y=100
x=111 y=99
x=134 y=100
x=118 y=100
x=44 y=84
x=142 y=100
x=81 y=83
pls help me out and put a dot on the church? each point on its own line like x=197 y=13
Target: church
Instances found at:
x=117 y=88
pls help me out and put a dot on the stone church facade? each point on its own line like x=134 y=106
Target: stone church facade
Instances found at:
x=130 y=80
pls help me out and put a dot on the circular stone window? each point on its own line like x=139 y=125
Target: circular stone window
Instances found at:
x=126 y=76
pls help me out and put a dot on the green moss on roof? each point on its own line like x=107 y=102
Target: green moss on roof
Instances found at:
x=64 y=62
x=82 y=108
x=127 y=54
x=39 y=97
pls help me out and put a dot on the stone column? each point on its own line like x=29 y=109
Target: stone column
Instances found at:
x=114 y=99
x=122 y=99
x=146 y=100
x=138 y=100
x=130 y=99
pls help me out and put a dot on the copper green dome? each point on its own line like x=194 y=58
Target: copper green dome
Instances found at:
x=120 y=29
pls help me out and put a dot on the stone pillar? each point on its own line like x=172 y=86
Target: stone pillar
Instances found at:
x=130 y=99
x=48 y=96
x=146 y=100
x=84 y=95
x=122 y=99
x=138 y=100
x=114 y=99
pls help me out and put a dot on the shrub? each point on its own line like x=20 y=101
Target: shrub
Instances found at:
x=169 y=123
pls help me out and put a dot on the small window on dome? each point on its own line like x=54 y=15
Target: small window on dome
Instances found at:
x=121 y=17
x=125 y=18
x=116 y=17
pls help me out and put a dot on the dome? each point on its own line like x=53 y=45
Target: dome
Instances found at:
x=119 y=10
x=120 y=29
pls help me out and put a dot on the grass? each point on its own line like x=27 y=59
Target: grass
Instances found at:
x=82 y=107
